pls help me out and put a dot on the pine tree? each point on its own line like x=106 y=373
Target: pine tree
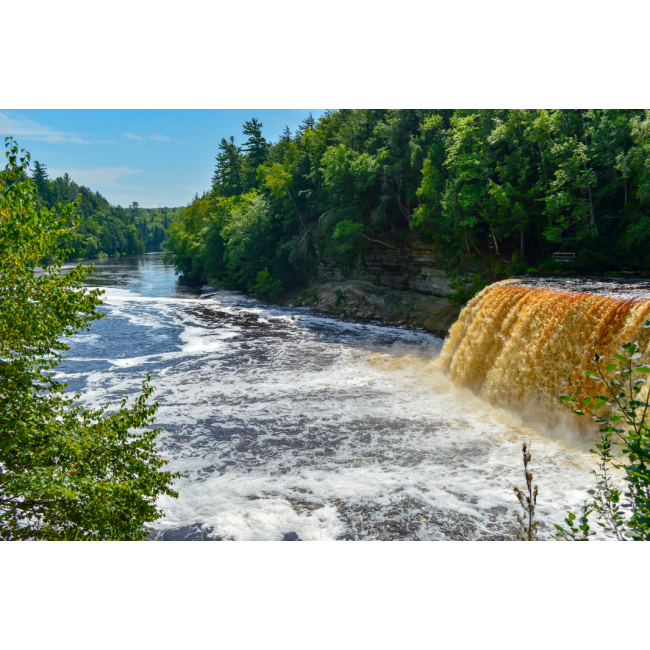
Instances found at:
x=308 y=124
x=286 y=135
x=228 y=170
x=256 y=146
x=40 y=177
x=134 y=211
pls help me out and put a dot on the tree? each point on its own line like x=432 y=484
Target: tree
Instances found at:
x=308 y=124
x=256 y=146
x=65 y=471
x=40 y=178
x=496 y=192
x=286 y=135
x=134 y=212
x=228 y=170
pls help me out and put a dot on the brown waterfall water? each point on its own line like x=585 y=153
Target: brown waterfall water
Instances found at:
x=521 y=343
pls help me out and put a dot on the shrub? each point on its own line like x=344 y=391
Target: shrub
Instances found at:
x=66 y=472
x=621 y=411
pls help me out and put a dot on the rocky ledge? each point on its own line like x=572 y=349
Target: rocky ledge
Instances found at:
x=360 y=299
x=624 y=288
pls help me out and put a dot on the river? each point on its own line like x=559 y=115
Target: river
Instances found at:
x=290 y=425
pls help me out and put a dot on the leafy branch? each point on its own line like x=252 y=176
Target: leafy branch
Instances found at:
x=622 y=416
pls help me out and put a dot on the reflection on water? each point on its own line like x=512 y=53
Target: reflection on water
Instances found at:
x=290 y=425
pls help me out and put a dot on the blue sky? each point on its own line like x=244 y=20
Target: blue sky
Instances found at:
x=156 y=157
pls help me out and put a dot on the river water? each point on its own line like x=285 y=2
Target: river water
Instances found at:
x=290 y=425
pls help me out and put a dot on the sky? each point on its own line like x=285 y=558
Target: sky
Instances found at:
x=155 y=157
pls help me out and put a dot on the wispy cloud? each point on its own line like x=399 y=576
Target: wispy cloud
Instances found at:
x=98 y=178
x=20 y=126
x=156 y=137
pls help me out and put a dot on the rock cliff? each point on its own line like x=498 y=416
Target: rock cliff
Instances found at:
x=399 y=287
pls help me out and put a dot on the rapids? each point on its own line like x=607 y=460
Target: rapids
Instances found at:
x=290 y=425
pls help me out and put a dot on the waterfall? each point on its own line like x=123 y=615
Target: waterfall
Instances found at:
x=519 y=344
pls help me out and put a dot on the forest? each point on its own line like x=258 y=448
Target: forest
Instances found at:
x=104 y=230
x=496 y=192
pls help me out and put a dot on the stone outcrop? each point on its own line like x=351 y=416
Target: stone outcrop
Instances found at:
x=403 y=286
x=360 y=299
x=414 y=269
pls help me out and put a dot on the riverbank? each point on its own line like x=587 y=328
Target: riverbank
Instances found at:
x=365 y=300
x=405 y=287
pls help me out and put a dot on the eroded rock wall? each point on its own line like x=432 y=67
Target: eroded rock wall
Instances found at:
x=399 y=287
x=413 y=269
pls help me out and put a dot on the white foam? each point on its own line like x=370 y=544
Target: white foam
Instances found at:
x=327 y=428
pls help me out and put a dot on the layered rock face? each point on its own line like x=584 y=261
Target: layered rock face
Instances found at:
x=415 y=270
x=399 y=287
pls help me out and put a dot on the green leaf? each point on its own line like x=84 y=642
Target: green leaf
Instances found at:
x=76 y=472
x=643 y=369
x=566 y=398
x=610 y=367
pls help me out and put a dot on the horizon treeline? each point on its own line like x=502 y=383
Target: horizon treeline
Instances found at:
x=104 y=230
x=496 y=192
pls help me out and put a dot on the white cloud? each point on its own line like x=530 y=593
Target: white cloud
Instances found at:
x=22 y=127
x=98 y=178
x=156 y=137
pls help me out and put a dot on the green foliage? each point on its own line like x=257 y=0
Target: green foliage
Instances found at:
x=580 y=533
x=256 y=145
x=265 y=286
x=65 y=471
x=346 y=243
x=622 y=416
x=229 y=171
x=518 y=185
x=248 y=237
x=230 y=240
x=465 y=288
x=496 y=192
x=103 y=230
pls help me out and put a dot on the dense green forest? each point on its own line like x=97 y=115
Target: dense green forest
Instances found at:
x=497 y=192
x=104 y=230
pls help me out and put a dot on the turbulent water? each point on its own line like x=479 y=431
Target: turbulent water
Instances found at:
x=520 y=344
x=287 y=424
